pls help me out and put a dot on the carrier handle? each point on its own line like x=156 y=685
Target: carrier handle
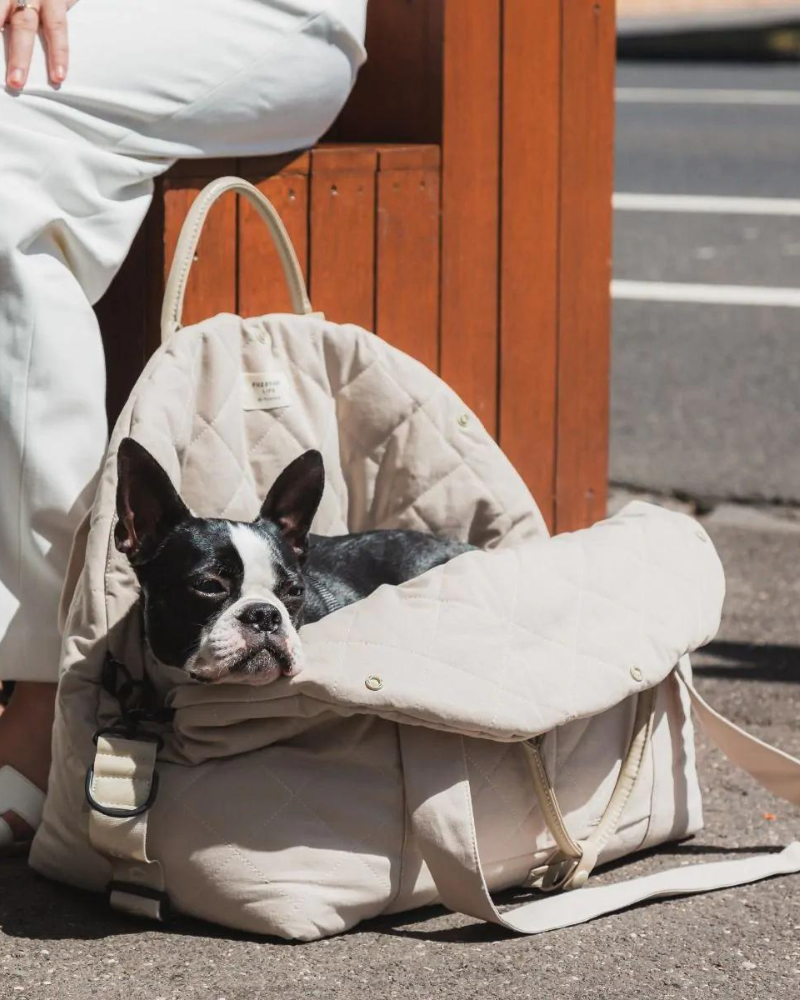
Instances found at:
x=172 y=309
x=572 y=862
x=443 y=822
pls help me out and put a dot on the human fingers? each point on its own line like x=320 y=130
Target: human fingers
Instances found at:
x=21 y=29
x=53 y=20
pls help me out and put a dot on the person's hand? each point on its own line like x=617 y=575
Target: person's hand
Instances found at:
x=21 y=25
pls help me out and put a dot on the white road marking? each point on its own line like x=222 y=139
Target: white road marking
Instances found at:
x=681 y=95
x=673 y=291
x=624 y=201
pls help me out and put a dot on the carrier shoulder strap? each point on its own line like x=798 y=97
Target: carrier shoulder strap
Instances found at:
x=121 y=785
x=440 y=802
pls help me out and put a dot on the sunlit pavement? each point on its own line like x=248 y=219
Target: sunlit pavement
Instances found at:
x=706 y=393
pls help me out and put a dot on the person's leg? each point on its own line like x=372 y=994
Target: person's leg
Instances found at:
x=61 y=238
x=148 y=83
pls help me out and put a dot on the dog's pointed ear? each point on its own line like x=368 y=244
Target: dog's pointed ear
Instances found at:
x=148 y=505
x=293 y=500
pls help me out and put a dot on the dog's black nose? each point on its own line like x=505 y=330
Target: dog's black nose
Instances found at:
x=262 y=617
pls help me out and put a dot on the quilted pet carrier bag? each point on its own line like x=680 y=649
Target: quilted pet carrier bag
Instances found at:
x=512 y=718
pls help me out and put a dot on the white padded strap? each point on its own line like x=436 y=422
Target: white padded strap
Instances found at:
x=776 y=770
x=570 y=866
x=440 y=803
x=172 y=309
x=122 y=780
x=18 y=794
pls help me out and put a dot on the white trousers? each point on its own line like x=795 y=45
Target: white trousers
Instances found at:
x=150 y=81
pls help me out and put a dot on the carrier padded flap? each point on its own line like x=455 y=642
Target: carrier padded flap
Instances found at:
x=503 y=644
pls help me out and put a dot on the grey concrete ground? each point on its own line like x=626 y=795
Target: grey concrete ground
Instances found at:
x=706 y=398
x=739 y=944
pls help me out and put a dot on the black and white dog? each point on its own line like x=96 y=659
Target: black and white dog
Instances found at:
x=223 y=600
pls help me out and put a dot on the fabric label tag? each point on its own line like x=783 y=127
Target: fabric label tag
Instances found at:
x=265 y=390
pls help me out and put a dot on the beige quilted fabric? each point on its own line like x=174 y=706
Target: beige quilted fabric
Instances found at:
x=305 y=833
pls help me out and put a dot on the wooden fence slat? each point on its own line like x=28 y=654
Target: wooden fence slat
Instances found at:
x=470 y=210
x=529 y=243
x=207 y=169
x=122 y=314
x=342 y=234
x=398 y=93
x=407 y=261
x=587 y=113
x=261 y=284
x=212 y=283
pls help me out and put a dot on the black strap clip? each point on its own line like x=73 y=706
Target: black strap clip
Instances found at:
x=119 y=683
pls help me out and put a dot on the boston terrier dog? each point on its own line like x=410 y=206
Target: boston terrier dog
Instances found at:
x=223 y=600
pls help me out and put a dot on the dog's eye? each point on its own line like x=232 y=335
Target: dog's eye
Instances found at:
x=295 y=590
x=210 y=587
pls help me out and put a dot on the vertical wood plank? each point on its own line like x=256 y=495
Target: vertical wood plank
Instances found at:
x=122 y=315
x=342 y=233
x=587 y=123
x=398 y=93
x=470 y=210
x=529 y=243
x=212 y=283
x=156 y=267
x=407 y=255
x=261 y=284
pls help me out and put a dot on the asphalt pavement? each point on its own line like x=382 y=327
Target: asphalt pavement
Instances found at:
x=706 y=396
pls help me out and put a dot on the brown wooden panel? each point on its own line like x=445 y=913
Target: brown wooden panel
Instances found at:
x=398 y=94
x=399 y=156
x=342 y=233
x=262 y=286
x=407 y=256
x=276 y=163
x=122 y=314
x=207 y=169
x=156 y=269
x=470 y=211
x=344 y=157
x=529 y=242
x=212 y=283
x=587 y=111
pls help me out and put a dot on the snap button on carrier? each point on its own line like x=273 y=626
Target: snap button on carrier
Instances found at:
x=637 y=674
x=463 y=420
x=373 y=682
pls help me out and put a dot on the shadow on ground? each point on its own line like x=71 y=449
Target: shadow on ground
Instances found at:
x=746 y=661
x=37 y=909
x=34 y=908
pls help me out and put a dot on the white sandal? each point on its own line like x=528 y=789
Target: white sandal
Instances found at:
x=19 y=795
